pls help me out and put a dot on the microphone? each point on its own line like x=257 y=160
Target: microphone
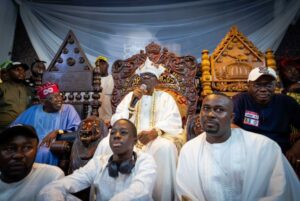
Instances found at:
x=136 y=99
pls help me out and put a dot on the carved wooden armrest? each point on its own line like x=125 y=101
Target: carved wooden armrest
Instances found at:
x=61 y=148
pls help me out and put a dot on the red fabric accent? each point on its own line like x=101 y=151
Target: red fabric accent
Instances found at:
x=46 y=89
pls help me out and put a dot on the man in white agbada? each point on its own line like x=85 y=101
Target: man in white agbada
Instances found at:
x=107 y=84
x=231 y=164
x=156 y=116
x=20 y=178
x=124 y=176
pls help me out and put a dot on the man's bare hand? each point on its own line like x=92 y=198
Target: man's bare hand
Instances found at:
x=107 y=123
x=293 y=155
x=147 y=136
x=138 y=92
x=48 y=139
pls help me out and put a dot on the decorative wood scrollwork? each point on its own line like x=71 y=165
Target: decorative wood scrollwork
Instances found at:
x=228 y=67
x=179 y=74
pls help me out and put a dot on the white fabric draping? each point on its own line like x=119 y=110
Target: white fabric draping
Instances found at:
x=185 y=28
x=8 y=16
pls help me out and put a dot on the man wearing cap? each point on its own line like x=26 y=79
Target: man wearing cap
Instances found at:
x=49 y=118
x=107 y=84
x=157 y=118
x=262 y=111
x=21 y=179
x=15 y=97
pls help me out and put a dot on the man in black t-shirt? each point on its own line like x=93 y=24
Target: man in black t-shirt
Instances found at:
x=262 y=111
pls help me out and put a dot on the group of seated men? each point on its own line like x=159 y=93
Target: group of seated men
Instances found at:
x=139 y=159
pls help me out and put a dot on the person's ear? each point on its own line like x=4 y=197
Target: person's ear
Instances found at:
x=43 y=101
x=232 y=117
x=135 y=141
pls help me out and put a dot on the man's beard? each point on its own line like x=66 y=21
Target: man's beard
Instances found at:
x=212 y=131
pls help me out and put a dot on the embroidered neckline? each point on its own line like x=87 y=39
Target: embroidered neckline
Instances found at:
x=152 y=110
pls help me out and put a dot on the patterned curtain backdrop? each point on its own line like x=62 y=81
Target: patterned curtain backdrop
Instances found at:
x=185 y=27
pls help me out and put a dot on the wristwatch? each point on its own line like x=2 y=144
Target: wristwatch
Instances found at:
x=60 y=131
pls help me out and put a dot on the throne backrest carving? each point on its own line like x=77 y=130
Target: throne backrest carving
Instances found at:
x=227 y=68
x=77 y=80
x=194 y=127
x=178 y=79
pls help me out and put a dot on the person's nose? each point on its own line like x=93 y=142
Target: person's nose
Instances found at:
x=117 y=135
x=263 y=88
x=21 y=70
x=18 y=154
x=211 y=114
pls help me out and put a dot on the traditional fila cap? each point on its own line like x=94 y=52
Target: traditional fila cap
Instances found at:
x=260 y=71
x=46 y=89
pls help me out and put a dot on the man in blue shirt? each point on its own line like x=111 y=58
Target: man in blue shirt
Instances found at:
x=262 y=111
x=49 y=118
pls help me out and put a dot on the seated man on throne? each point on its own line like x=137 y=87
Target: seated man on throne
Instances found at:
x=156 y=117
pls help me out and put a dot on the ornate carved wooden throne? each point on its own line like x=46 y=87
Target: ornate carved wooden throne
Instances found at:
x=77 y=80
x=178 y=78
x=80 y=85
x=227 y=68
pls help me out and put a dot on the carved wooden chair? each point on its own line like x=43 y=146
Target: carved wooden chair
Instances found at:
x=194 y=127
x=79 y=84
x=77 y=80
x=178 y=78
x=226 y=69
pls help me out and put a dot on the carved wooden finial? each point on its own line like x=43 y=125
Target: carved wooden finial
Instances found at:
x=234 y=30
x=270 y=59
x=206 y=76
x=153 y=48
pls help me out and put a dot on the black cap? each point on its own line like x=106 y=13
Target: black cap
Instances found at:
x=16 y=130
x=16 y=64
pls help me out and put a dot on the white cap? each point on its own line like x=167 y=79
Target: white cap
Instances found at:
x=150 y=67
x=259 y=71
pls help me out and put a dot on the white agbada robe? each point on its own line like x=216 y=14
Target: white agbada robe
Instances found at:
x=137 y=186
x=247 y=167
x=166 y=114
x=167 y=118
x=30 y=186
x=105 y=110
